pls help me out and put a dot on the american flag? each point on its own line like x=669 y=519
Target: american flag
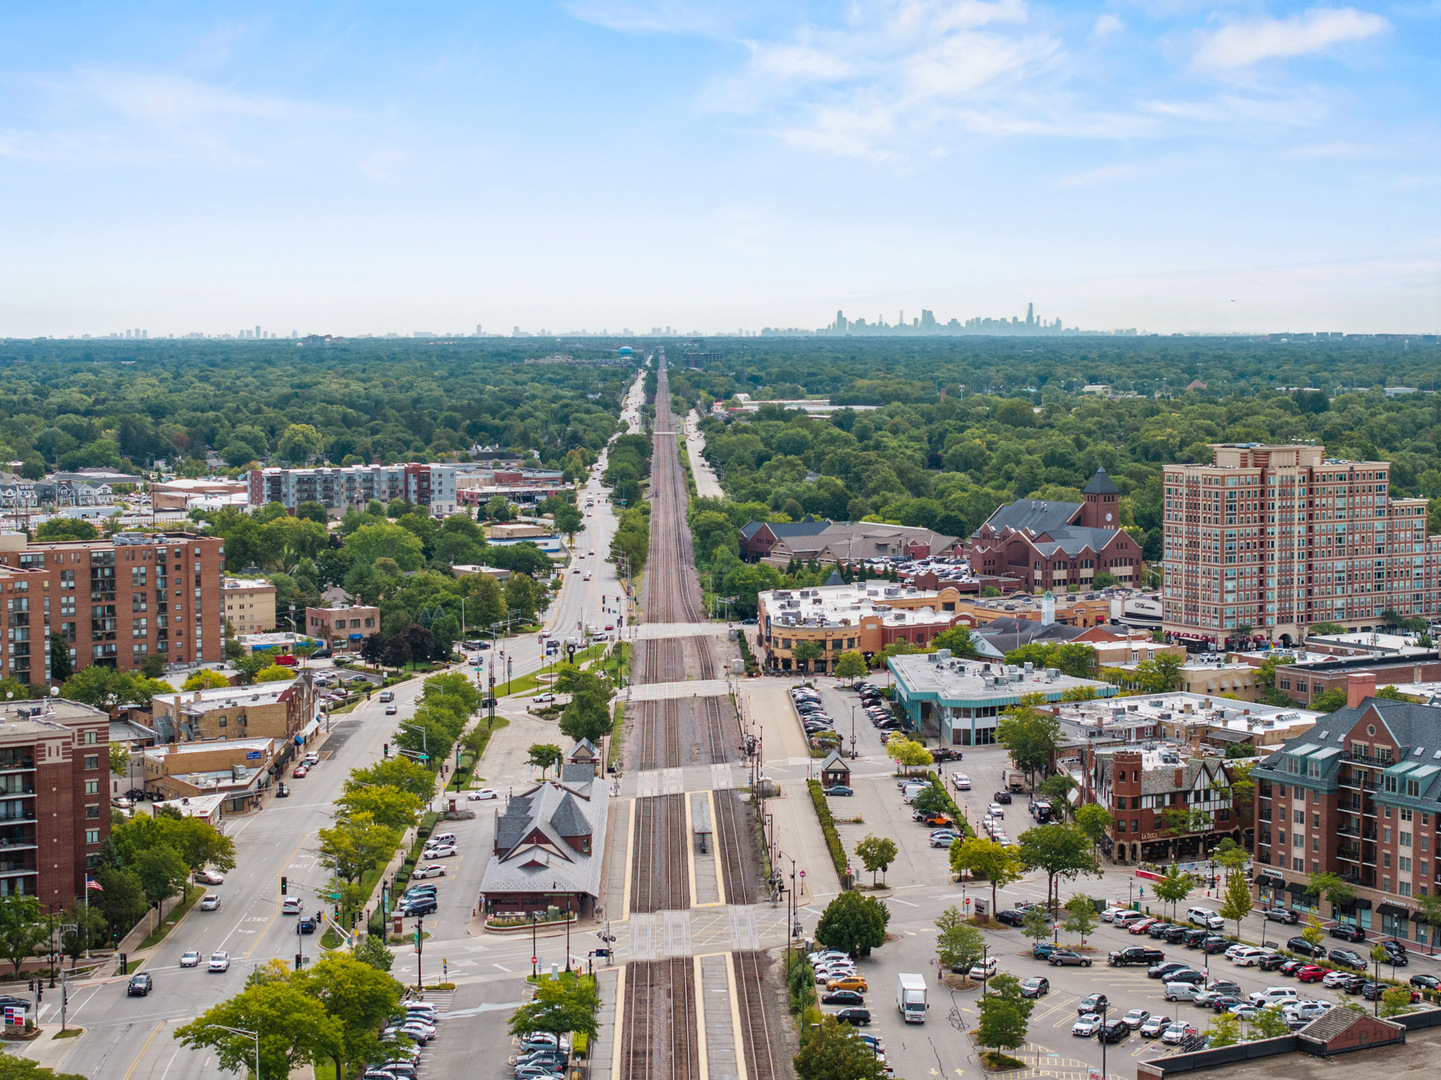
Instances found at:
x=90 y=883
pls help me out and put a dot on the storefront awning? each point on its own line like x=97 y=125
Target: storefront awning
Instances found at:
x=1296 y=888
x=1393 y=910
x=1267 y=881
x=1362 y=902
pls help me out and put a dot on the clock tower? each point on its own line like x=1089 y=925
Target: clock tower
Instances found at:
x=1101 y=509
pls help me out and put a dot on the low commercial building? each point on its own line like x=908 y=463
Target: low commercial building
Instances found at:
x=342 y=627
x=1196 y=719
x=1304 y=682
x=239 y=770
x=962 y=700
x=54 y=789
x=275 y=710
x=1203 y=676
x=249 y=605
x=208 y=493
x=549 y=846
x=863 y=617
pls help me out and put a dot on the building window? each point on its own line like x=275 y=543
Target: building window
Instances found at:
x=1298 y=864
x=1403 y=838
x=1404 y=863
x=89 y=738
x=1386 y=834
x=92 y=811
x=92 y=836
x=1404 y=888
x=92 y=761
x=1299 y=816
x=92 y=787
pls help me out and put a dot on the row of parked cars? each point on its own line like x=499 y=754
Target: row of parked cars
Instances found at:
x=541 y=1056
x=820 y=728
x=400 y=1043
x=840 y=984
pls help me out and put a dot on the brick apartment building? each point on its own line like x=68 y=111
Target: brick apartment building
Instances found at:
x=1278 y=538
x=1304 y=682
x=1052 y=545
x=1359 y=796
x=342 y=627
x=54 y=794
x=1138 y=786
x=275 y=710
x=115 y=601
x=249 y=605
x=339 y=488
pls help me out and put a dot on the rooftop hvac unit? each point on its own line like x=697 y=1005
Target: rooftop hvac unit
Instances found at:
x=1053 y=673
x=1015 y=676
x=1029 y=667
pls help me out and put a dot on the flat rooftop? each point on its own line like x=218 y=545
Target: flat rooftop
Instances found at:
x=221 y=696
x=25 y=720
x=846 y=605
x=208 y=745
x=1190 y=709
x=975 y=683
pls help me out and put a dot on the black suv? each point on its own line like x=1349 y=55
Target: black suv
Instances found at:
x=1347 y=958
x=1176 y=934
x=1270 y=962
x=1301 y=947
x=1399 y=956
x=1114 y=1031
x=140 y=985
x=1193 y=938
x=1348 y=932
x=858 y=1017
x=1003 y=797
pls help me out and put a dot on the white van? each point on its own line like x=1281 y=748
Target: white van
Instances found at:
x=1246 y=956
x=910 y=791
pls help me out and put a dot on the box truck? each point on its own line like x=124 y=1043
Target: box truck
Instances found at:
x=911 y=998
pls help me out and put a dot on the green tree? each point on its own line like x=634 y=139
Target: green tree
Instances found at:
x=1236 y=903
x=1174 y=887
x=805 y=652
x=520 y=596
x=356 y=845
x=1329 y=701
x=23 y=929
x=14 y=1067
x=371 y=949
x=1035 y=925
x=121 y=898
x=498 y=508
x=1062 y=851
x=568 y=521
x=1081 y=916
x=1058 y=788
x=831 y=1050
x=294 y=1029
x=1030 y=736
x=388 y=806
x=1395 y=1001
x=959 y=945
x=544 y=755
x=61 y=667
x=162 y=872
x=1005 y=1014
x=119 y=760
x=1331 y=888
x=984 y=858
x=1096 y=822
x=299 y=444
x=62 y=528
x=853 y=923
x=559 y=1007
x=87 y=931
x=1269 y=1023
x=957 y=639
x=397 y=772
x=274 y=673
x=204 y=679
x=1390 y=693
x=908 y=754
x=932 y=800
x=876 y=854
x=1183 y=820
x=1314 y=931
x=1325 y=628
x=850 y=665
x=357 y=995
x=384 y=540
x=1225 y=1030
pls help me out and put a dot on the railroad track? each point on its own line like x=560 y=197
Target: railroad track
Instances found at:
x=660 y=853
x=661 y=1041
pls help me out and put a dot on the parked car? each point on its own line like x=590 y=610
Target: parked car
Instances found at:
x=1347 y=958
x=1426 y=982
x=1092 y=1003
x=1182 y=991
x=1200 y=916
x=1137 y=955
x=1086 y=1025
x=983 y=970
x=961 y=781
x=1311 y=973
x=1164 y=969
x=1035 y=987
x=1302 y=947
x=858 y=1017
x=1214 y=944
x=1154 y=1025
x=1067 y=958
x=843 y=997
x=1011 y=917
x=482 y=795
x=944 y=838
x=1041 y=950
x=1272 y=961
x=1135 y=1018
x=1347 y=932
x=838 y=790
x=1115 y=1031
x=209 y=877
x=1178 y=1032
x=1280 y=915
x=848 y=982
x=1399 y=956
x=428 y=870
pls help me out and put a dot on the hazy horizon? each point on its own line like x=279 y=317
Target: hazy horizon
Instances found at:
x=352 y=168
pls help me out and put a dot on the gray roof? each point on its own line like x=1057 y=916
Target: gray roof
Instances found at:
x=530 y=836
x=834 y=763
x=807 y=526
x=1102 y=484
x=1008 y=633
x=1034 y=515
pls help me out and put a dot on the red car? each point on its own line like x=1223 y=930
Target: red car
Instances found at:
x=1312 y=973
x=300 y=771
x=1142 y=926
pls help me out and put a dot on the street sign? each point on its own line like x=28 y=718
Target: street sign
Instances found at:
x=534 y=960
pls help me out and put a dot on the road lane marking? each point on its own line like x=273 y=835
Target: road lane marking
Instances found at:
x=156 y=1031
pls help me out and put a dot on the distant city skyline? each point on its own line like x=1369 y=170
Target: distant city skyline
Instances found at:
x=1253 y=166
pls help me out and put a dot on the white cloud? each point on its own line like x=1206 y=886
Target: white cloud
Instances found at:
x=1106 y=25
x=1241 y=44
x=650 y=16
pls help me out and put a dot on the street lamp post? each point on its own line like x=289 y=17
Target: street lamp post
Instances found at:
x=1104 y=1009
x=249 y=1034
x=534 y=956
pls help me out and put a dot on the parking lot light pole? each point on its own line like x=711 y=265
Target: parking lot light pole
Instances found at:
x=1104 y=1009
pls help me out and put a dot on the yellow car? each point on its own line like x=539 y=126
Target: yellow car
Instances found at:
x=849 y=982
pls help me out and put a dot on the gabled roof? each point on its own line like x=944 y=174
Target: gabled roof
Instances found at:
x=807 y=526
x=1102 y=484
x=835 y=763
x=1034 y=515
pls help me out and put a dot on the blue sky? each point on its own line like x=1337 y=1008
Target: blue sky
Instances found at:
x=369 y=167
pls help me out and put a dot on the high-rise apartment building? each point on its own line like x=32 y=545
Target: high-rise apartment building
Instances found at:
x=1278 y=538
x=114 y=602
x=54 y=812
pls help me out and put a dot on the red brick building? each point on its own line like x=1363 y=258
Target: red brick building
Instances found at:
x=54 y=795
x=115 y=602
x=1052 y=545
x=1140 y=786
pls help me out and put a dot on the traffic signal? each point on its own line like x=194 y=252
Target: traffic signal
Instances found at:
x=282 y=885
x=298 y=960
x=384 y=751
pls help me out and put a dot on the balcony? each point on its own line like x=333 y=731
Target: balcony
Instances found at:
x=1265 y=815
x=16 y=763
x=1264 y=838
x=1348 y=854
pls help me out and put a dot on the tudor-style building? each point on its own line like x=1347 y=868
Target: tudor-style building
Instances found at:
x=1052 y=545
x=1358 y=796
x=1148 y=792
